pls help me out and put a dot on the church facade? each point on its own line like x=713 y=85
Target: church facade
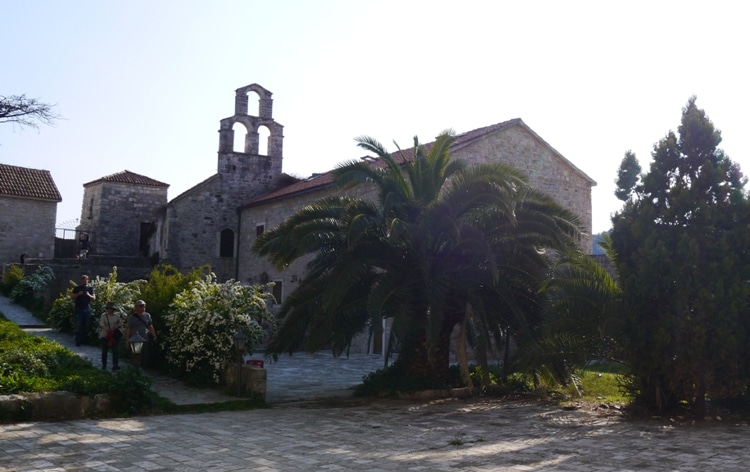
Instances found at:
x=217 y=221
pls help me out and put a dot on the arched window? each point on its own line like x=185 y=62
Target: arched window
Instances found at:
x=226 y=244
x=240 y=137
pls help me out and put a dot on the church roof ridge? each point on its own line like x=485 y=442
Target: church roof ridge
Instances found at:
x=323 y=180
x=128 y=177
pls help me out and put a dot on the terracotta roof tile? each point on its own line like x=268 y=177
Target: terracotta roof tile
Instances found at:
x=28 y=183
x=127 y=177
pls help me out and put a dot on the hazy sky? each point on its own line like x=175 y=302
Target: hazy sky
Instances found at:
x=142 y=84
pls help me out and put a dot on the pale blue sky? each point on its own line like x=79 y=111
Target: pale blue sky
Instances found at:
x=142 y=85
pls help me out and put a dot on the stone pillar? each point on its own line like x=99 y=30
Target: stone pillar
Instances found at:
x=252 y=383
x=240 y=102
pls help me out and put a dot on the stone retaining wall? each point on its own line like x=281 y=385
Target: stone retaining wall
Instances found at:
x=48 y=406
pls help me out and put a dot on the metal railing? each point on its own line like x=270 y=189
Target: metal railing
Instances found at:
x=67 y=242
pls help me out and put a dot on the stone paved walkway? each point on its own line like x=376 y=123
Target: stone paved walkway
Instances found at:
x=444 y=435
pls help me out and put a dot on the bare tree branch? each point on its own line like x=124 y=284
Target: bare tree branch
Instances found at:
x=26 y=111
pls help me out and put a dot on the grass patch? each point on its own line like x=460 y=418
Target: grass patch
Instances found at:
x=36 y=364
x=603 y=386
x=601 y=382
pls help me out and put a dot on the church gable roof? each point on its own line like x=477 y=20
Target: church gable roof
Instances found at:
x=196 y=189
x=128 y=177
x=321 y=181
x=22 y=182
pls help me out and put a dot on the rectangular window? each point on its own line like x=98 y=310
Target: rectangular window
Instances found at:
x=147 y=229
x=226 y=243
x=259 y=229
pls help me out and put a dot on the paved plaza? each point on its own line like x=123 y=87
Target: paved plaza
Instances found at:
x=313 y=423
x=445 y=435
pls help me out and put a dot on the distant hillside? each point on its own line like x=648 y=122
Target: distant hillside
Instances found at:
x=596 y=249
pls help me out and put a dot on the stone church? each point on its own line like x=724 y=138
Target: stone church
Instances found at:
x=217 y=221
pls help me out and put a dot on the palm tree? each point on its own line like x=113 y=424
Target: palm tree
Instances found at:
x=583 y=313
x=440 y=246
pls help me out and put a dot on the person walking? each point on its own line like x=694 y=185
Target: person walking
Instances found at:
x=139 y=322
x=110 y=333
x=82 y=295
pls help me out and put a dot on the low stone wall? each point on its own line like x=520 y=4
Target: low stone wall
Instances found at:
x=67 y=271
x=49 y=406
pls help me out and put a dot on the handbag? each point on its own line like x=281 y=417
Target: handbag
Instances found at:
x=116 y=333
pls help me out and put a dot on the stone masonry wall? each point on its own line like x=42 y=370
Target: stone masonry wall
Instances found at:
x=197 y=218
x=253 y=269
x=26 y=226
x=68 y=274
x=547 y=172
x=113 y=212
x=270 y=216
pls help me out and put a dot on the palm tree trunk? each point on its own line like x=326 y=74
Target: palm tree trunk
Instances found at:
x=418 y=360
x=699 y=403
x=506 y=357
x=463 y=358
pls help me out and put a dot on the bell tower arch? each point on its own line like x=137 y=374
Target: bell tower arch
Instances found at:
x=252 y=124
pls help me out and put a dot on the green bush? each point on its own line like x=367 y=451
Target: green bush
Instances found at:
x=28 y=285
x=517 y=382
x=11 y=276
x=26 y=363
x=35 y=364
x=477 y=372
x=203 y=320
x=62 y=317
x=390 y=382
x=130 y=391
x=159 y=291
x=27 y=291
x=163 y=284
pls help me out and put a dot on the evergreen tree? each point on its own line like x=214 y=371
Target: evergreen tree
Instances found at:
x=681 y=243
x=627 y=176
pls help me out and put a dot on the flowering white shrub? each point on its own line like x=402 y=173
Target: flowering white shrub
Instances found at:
x=110 y=290
x=203 y=319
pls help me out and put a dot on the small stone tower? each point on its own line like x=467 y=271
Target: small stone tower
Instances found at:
x=252 y=123
x=250 y=164
x=119 y=212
